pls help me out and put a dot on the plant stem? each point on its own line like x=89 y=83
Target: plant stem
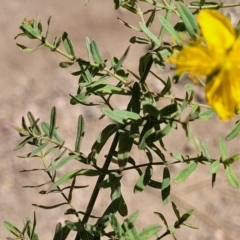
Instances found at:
x=100 y=179
x=202 y=159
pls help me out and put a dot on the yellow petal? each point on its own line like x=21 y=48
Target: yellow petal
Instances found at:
x=194 y=59
x=234 y=53
x=221 y=94
x=217 y=31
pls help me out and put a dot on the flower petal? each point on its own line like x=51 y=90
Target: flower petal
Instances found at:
x=217 y=31
x=194 y=59
x=222 y=93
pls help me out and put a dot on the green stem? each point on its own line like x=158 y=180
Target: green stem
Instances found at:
x=59 y=189
x=202 y=159
x=214 y=6
x=190 y=104
x=50 y=46
x=100 y=179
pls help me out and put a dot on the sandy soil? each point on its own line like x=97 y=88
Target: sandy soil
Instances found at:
x=34 y=82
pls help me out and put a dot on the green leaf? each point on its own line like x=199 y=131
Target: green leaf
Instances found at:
x=145 y=64
x=235 y=131
x=167 y=87
x=112 y=181
x=120 y=116
x=88 y=43
x=232 y=178
x=123 y=210
x=124 y=148
x=127 y=24
x=163 y=218
x=111 y=209
x=60 y=164
x=177 y=155
x=176 y=211
x=205 y=149
x=11 y=228
x=157 y=135
x=68 y=176
x=94 y=230
x=136 y=98
x=143 y=180
x=192 y=139
x=194 y=114
x=183 y=218
x=131 y=232
x=65 y=232
x=38 y=149
x=132 y=218
x=146 y=131
x=48 y=27
x=96 y=54
x=67 y=43
x=214 y=166
x=139 y=40
x=206 y=115
x=169 y=28
x=188 y=19
x=168 y=110
x=80 y=133
x=223 y=149
x=35 y=129
x=149 y=231
x=102 y=138
x=117 y=3
x=122 y=59
x=28 y=50
x=147 y=31
x=234 y=158
x=58 y=232
x=155 y=184
x=166 y=186
x=151 y=18
x=45 y=128
x=107 y=89
x=65 y=64
x=23 y=143
x=152 y=110
x=185 y=173
x=116 y=225
x=52 y=122
x=29 y=30
x=33 y=234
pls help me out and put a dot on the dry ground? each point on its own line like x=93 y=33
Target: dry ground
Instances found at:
x=34 y=82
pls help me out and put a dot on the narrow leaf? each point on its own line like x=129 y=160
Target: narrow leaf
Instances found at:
x=185 y=173
x=39 y=149
x=166 y=186
x=149 y=231
x=52 y=122
x=143 y=180
x=232 y=178
x=235 y=131
x=223 y=149
x=205 y=149
x=67 y=43
x=80 y=133
x=147 y=31
x=169 y=28
x=214 y=167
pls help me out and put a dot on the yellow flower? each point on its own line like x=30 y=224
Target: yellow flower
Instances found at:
x=218 y=58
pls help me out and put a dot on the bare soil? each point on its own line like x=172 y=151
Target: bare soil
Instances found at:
x=34 y=82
